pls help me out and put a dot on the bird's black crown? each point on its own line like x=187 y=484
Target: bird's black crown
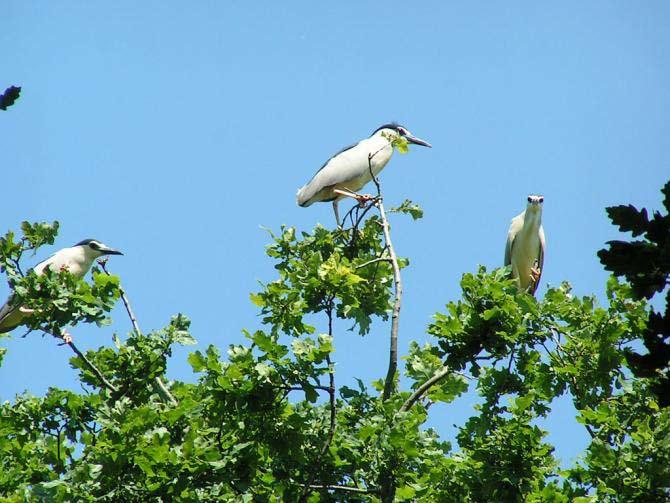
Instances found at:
x=86 y=242
x=391 y=125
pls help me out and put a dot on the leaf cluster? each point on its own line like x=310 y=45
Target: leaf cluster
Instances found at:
x=646 y=266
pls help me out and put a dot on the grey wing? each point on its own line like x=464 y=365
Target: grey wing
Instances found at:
x=540 y=259
x=331 y=173
x=514 y=228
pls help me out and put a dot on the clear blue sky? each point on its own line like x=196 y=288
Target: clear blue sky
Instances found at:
x=175 y=130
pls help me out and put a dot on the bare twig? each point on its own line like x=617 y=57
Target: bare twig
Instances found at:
x=302 y=388
x=345 y=488
x=387 y=482
x=160 y=385
x=389 y=384
x=67 y=341
x=421 y=390
x=374 y=260
x=331 y=392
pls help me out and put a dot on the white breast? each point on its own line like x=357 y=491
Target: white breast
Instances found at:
x=526 y=254
x=74 y=259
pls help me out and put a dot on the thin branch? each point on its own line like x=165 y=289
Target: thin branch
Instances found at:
x=344 y=488
x=162 y=389
x=389 y=384
x=331 y=392
x=386 y=477
x=302 y=388
x=67 y=340
x=374 y=260
x=423 y=389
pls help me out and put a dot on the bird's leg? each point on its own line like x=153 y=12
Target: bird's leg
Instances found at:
x=26 y=310
x=362 y=199
x=337 y=214
x=535 y=273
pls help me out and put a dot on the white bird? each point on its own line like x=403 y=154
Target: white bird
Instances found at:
x=77 y=260
x=526 y=245
x=348 y=171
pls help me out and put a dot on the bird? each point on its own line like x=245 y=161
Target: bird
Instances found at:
x=76 y=259
x=348 y=171
x=525 y=246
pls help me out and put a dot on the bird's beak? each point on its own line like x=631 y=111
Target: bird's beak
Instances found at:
x=417 y=141
x=110 y=251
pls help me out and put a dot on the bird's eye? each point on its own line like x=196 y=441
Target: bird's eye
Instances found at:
x=530 y=199
x=541 y=199
x=94 y=245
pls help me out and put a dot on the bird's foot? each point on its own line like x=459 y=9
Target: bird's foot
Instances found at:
x=26 y=310
x=67 y=338
x=535 y=274
x=364 y=199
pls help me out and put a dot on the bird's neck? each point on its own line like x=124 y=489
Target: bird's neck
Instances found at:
x=532 y=219
x=81 y=263
x=378 y=143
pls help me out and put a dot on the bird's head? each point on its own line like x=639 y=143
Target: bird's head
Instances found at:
x=535 y=202
x=94 y=248
x=393 y=128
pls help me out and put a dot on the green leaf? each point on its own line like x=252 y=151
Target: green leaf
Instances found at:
x=409 y=208
x=257 y=299
x=184 y=338
x=197 y=361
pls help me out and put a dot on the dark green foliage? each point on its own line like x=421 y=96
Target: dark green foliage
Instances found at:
x=646 y=266
x=327 y=270
x=255 y=424
x=8 y=98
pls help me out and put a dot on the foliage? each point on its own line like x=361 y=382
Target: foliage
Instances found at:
x=646 y=266
x=267 y=420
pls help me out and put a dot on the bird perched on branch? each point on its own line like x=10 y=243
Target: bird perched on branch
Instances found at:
x=77 y=260
x=348 y=171
x=525 y=245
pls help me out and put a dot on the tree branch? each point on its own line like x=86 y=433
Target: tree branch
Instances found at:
x=387 y=481
x=331 y=398
x=389 y=384
x=160 y=385
x=374 y=260
x=345 y=488
x=67 y=340
x=302 y=388
x=423 y=389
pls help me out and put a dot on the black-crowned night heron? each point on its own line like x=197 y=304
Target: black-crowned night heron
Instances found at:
x=77 y=260
x=525 y=245
x=348 y=171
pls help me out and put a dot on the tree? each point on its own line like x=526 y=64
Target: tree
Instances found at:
x=269 y=421
x=646 y=266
